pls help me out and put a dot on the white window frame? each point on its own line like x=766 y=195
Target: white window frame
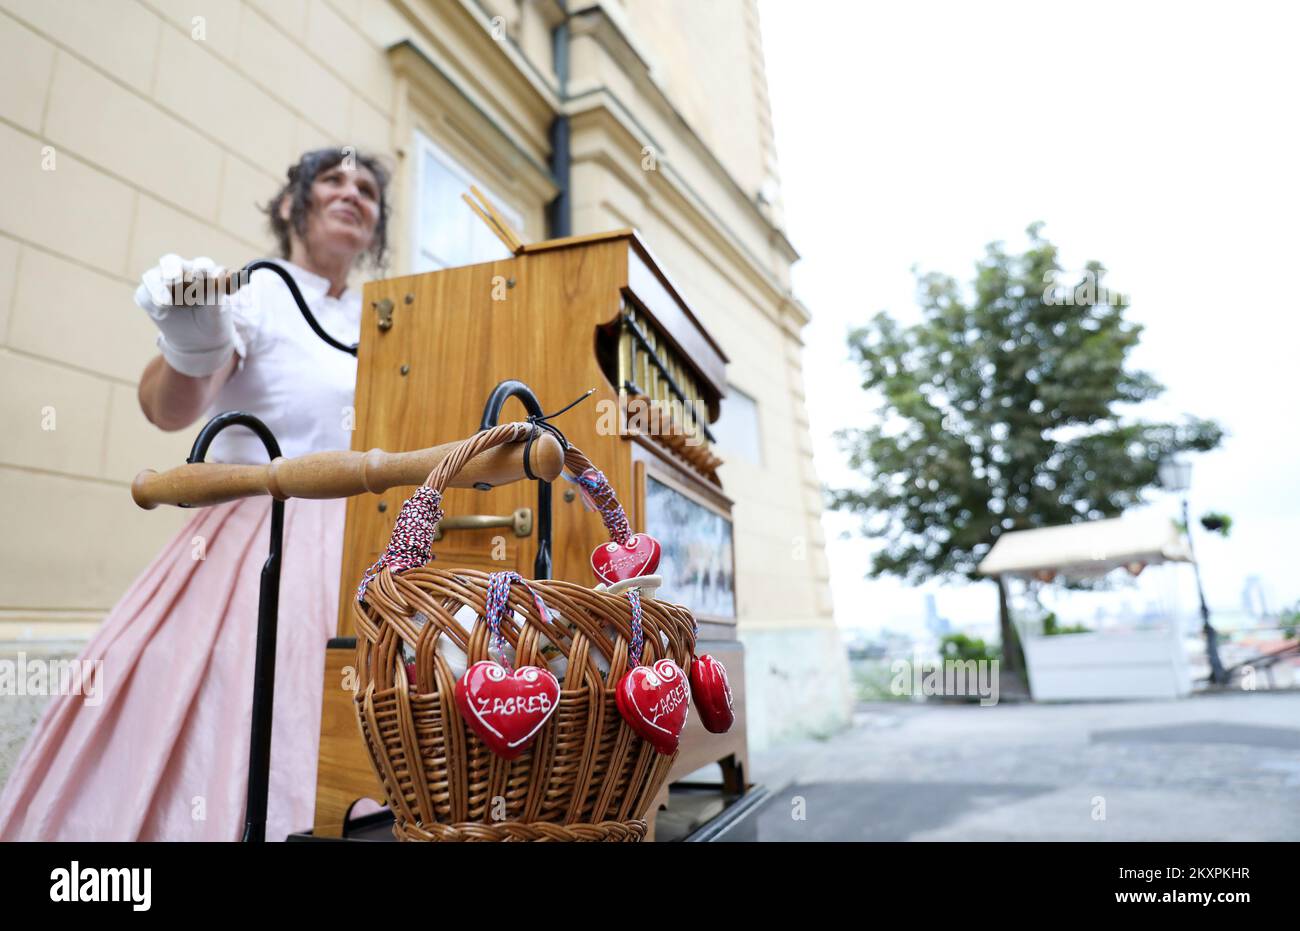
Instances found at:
x=425 y=146
x=737 y=454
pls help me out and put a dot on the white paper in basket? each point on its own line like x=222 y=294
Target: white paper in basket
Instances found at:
x=456 y=660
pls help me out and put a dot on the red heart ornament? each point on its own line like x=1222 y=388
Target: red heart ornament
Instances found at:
x=654 y=700
x=712 y=694
x=506 y=709
x=614 y=562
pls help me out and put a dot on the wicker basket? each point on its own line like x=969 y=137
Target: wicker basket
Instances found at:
x=587 y=776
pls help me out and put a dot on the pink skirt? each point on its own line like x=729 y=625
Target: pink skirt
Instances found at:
x=163 y=755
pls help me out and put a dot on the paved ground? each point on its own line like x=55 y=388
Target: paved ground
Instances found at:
x=1222 y=767
x=19 y=713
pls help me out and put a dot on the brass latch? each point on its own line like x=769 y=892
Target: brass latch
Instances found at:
x=521 y=521
x=384 y=310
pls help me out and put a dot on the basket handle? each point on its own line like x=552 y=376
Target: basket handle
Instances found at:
x=597 y=489
x=411 y=542
x=587 y=476
x=445 y=471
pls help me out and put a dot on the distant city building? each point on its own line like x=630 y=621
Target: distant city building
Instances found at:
x=1254 y=600
x=933 y=622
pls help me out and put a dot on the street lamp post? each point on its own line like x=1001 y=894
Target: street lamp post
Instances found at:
x=1176 y=476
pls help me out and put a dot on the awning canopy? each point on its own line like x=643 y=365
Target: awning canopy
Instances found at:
x=1091 y=548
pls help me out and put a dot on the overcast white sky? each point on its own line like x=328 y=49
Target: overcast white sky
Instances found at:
x=1158 y=138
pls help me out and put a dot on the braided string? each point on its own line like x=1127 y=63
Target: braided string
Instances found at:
x=412 y=539
x=638 y=635
x=498 y=595
x=601 y=494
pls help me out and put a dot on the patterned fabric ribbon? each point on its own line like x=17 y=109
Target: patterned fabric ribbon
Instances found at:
x=412 y=539
x=498 y=595
x=601 y=495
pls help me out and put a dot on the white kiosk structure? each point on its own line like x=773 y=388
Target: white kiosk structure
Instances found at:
x=1138 y=664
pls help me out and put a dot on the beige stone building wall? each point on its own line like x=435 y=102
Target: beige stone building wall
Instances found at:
x=130 y=128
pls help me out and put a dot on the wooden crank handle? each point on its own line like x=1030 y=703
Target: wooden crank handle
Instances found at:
x=340 y=474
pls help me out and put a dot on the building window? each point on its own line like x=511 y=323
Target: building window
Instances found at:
x=447 y=232
x=737 y=427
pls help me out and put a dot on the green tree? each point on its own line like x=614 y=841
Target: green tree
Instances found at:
x=1003 y=409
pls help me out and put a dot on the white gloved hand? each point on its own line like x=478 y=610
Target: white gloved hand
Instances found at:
x=182 y=297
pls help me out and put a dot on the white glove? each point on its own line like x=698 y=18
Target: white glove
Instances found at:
x=181 y=296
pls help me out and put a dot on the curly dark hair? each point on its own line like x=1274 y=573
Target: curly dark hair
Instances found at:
x=298 y=189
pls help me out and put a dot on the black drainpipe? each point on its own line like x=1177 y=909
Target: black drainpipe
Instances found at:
x=559 y=212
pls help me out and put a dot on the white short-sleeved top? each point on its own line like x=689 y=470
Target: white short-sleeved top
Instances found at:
x=293 y=381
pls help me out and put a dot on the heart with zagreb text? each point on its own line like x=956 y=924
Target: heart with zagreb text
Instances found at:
x=712 y=694
x=614 y=562
x=654 y=701
x=506 y=709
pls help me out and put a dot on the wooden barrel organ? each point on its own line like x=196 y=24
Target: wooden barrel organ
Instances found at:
x=563 y=316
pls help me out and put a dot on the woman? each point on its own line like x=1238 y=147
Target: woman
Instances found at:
x=164 y=753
